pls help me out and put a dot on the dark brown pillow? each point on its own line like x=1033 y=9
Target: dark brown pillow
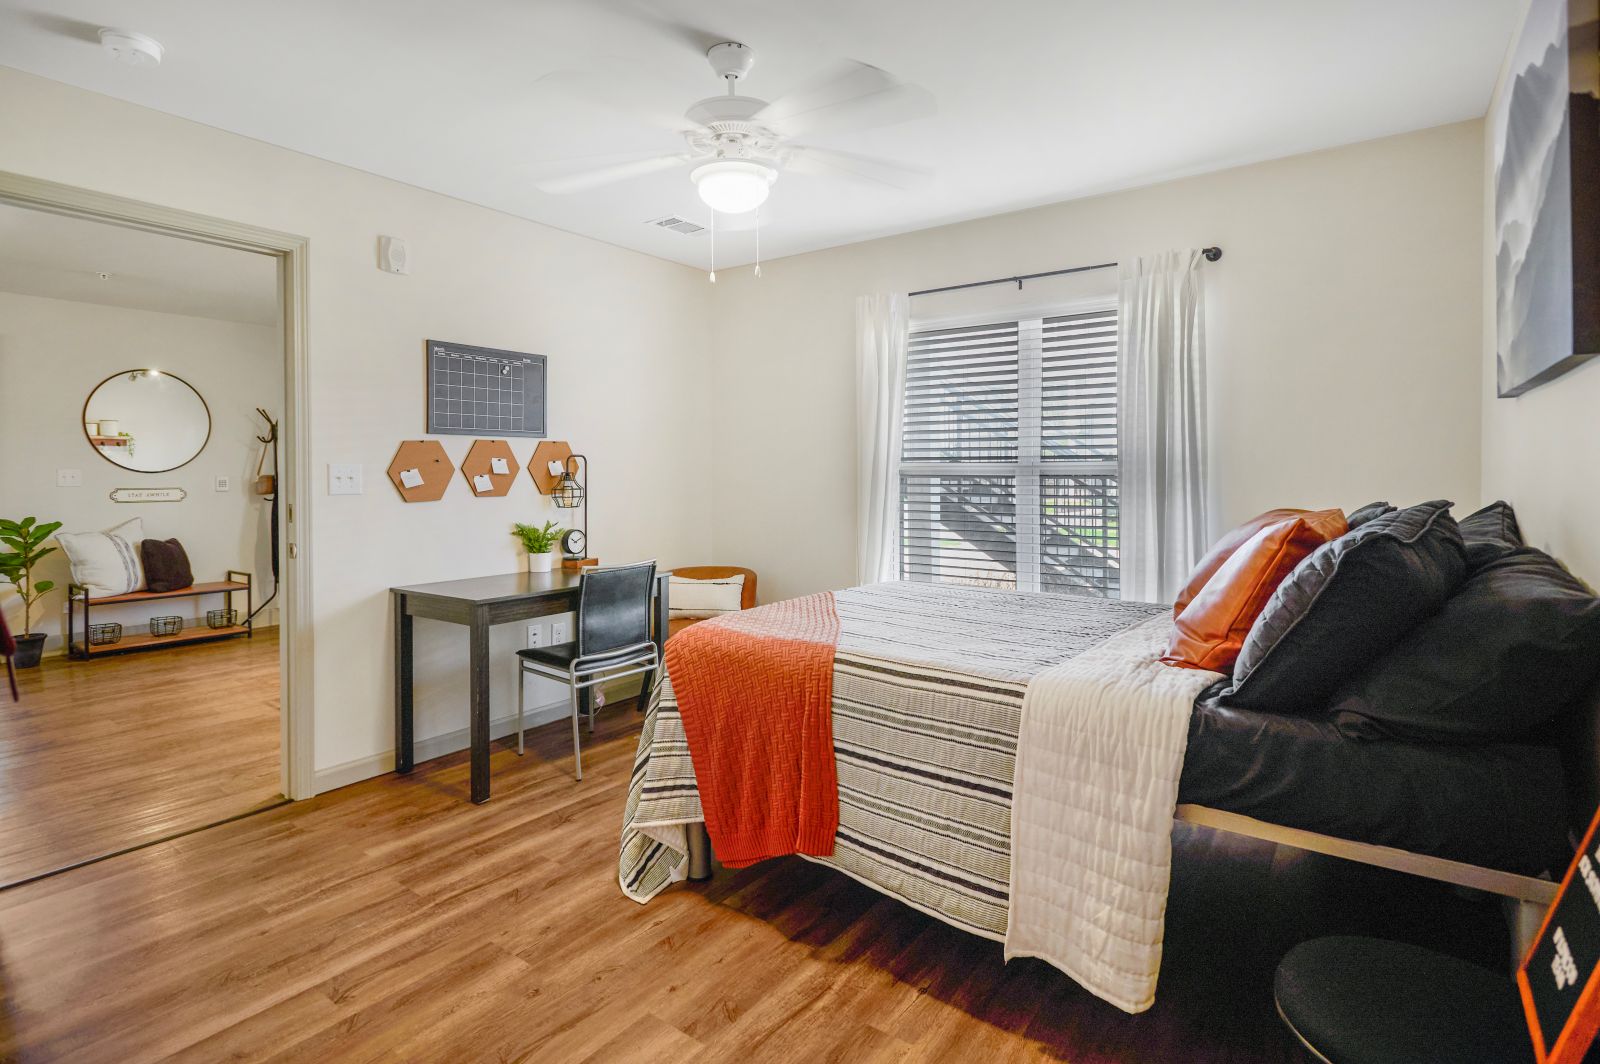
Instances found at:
x=1347 y=605
x=166 y=566
x=1490 y=534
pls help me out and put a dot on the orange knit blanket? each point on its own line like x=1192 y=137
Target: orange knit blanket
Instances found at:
x=755 y=691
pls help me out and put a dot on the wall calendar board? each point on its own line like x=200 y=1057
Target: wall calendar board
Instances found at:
x=478 y=391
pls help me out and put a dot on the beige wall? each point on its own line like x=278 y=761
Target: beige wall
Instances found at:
x=1541 y=449
x=53 y=353
x=625 y=334
x=1344 y=328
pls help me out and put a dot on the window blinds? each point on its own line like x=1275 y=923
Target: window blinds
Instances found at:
x=1008 y=474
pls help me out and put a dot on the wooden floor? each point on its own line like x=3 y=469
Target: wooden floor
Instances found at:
x=99 y=756
x=393 y=920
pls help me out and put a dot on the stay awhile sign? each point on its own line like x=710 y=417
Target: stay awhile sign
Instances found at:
x=1560 y=977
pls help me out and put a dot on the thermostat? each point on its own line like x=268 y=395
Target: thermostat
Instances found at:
x=392 y=255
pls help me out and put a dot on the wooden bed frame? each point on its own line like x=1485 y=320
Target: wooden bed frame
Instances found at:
x=1525 y=898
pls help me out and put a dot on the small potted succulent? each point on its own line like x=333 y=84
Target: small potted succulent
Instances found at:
x=25 y=539
x=540 y=543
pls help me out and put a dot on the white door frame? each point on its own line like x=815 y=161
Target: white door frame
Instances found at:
x=295 y=648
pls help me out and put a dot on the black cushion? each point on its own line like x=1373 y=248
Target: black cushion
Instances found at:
x=1366 y=1001
x=562 y=654
x=1516 y=645
x=166 y=565
x=558 y=656
x=1357 y=518
x=1345 y=605
x=1490 y=533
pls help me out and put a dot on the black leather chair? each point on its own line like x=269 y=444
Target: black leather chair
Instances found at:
x=1367 y=1001
x=613 y=642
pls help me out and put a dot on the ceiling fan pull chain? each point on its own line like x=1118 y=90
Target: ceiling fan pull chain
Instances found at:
x=713 y=228
x=758 y=241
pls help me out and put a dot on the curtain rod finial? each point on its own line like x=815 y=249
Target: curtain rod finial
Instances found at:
x=1212 y=254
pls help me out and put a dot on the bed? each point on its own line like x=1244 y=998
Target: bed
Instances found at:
x=929 y=684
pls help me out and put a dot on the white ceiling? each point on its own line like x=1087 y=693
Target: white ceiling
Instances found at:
x=1039 y=100
x=62 y=258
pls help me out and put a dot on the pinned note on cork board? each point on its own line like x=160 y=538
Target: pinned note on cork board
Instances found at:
x=490 y=468
x=421 y=471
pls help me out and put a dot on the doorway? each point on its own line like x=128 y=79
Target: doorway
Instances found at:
x=166 y=707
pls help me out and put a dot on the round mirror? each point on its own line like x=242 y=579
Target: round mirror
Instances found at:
x=146 y=420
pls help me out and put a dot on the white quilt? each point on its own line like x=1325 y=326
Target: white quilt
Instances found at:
x=1095 y=790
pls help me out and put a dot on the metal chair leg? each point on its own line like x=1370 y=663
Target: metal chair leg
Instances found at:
x=522 y=696
x=577 y=752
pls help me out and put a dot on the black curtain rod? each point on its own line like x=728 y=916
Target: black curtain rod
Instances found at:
x=1212 y=255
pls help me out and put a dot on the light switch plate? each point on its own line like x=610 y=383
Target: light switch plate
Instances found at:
x=344 y=478
x=224 y=484
x=69 y=478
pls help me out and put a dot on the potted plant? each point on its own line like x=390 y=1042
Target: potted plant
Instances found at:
x=26 y=540
x=540 y=543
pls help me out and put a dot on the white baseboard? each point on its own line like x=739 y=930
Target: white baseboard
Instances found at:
x=365 y=768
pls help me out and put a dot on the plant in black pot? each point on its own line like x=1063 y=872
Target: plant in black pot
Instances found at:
x=25 y=539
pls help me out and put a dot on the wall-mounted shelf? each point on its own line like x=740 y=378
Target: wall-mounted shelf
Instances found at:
x=111 y=441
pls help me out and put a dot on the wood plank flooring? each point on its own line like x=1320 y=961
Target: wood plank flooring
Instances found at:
x=99 y=756
x=393 y=920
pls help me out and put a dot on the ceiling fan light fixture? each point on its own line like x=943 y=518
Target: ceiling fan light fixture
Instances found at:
x=732 y=186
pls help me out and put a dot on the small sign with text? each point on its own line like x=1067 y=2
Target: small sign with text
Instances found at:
x=1558 y=979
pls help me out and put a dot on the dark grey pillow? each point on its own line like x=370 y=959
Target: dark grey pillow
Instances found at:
x=1345 y=606
x=1489 y=534
x=1357 y=518
x=1516 y=645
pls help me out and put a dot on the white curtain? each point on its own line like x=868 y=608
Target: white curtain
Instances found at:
x=883 y=328
x=1162 y=397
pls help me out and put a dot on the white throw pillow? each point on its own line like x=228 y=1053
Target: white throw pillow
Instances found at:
x=704 y=598
x=106 y=563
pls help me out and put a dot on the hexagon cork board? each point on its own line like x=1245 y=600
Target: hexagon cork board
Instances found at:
x=539 y=465
x=421 y=471
x=493 y=461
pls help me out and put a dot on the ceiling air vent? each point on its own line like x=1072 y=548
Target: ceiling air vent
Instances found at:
x=678 y=225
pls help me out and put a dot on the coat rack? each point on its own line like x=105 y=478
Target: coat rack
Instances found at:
x=267 y=483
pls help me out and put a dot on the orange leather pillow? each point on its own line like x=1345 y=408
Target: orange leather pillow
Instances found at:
x=1212 y=627
x=1223 y=549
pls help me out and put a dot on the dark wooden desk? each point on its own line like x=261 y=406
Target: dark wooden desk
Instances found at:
x=479 y=603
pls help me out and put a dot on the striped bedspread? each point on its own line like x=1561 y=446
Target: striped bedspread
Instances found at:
x=927 y=699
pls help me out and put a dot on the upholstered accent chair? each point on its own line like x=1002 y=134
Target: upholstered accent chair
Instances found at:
x=712 y=572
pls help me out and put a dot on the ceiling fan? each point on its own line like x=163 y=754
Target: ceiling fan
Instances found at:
x=738 y=145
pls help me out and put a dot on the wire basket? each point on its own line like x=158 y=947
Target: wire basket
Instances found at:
x=222 y=618
x=166 y=625
x=103 y=635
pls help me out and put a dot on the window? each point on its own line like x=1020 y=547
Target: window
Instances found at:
x=1008 y=469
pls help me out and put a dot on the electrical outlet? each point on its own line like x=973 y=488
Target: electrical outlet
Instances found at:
x=535 y=635
x=69 y=478
x=344 y=479
x=560 y=631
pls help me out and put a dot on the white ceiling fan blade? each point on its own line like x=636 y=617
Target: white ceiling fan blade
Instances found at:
x=853 y=96
x=824 y=162
x=644 y=98
x=584 y=180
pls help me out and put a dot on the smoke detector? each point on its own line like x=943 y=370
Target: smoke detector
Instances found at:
x=135 y=49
